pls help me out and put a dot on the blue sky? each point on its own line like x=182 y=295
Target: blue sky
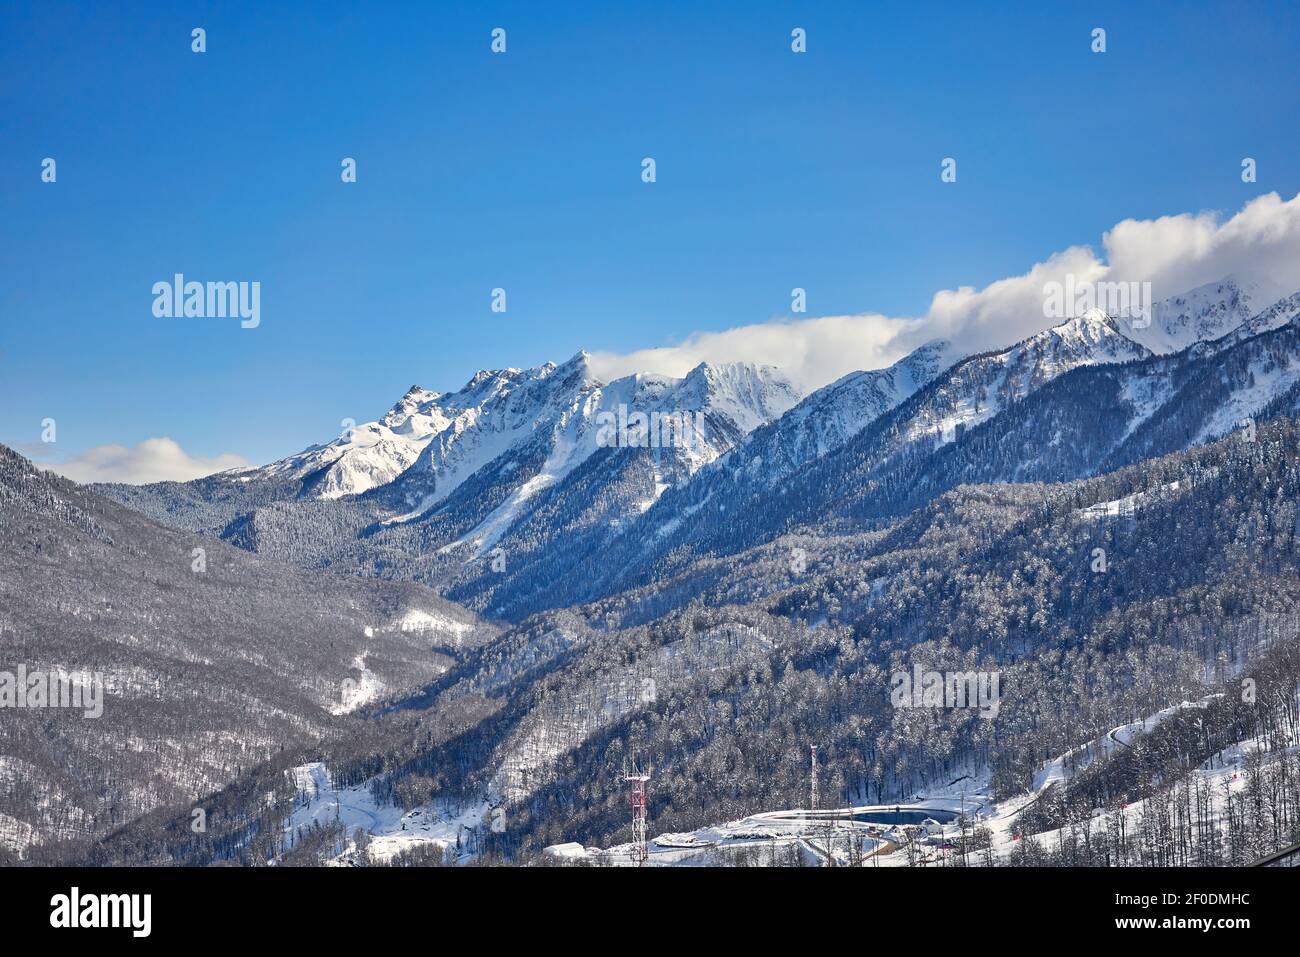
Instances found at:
x=522 y=171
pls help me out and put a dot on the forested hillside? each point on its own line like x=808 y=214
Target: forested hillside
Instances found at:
x=212 y=659
x=721 y=676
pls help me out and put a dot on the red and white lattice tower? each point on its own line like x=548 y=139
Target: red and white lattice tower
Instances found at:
x=637 y=780
x=812 y=782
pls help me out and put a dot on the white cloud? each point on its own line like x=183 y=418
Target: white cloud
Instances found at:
x=153 y=460
x=1173 y=253
x=809 y=350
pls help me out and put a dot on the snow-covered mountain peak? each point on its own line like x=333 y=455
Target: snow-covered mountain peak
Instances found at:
x=418 y=393
x=1092 y=329
x=446 y=437
x=1203 y=314
x=1089 y=339
x=486 y=379
x=1258 y=287
x=577 y=370
x=924 y=363
x=415 y=401
x=1280 y=313
x=1092 y=326
x=748 y=393
x=765 y=383
x=830 y=416
x=532 y=440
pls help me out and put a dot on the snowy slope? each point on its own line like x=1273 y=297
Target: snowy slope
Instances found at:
x=825 y=833
x=1275 y=316
x=442 y=439
x=1204 y=314
x=389 y=830
x=820 y=424
x=1269 y=377
x=368 y=455
x=797 y=468
x=831 y=416
x=545 y=439
x=435 y=441
x=982 y=386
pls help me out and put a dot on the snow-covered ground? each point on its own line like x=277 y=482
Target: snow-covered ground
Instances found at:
x=817 y=836
x=366 y=686
x=358 y=692
x=1222 y=774
x=1124 y=506
x=771 y=833
x=1269 y=378
x=391 y=830
x=866 y=835
x=1129 y=505
x=773 y=836
x=1205 y=313
x=416 y=619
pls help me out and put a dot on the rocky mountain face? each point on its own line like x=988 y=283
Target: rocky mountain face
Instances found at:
x=528 y=461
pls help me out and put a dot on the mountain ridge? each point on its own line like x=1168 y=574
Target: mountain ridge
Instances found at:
x=509 y=487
